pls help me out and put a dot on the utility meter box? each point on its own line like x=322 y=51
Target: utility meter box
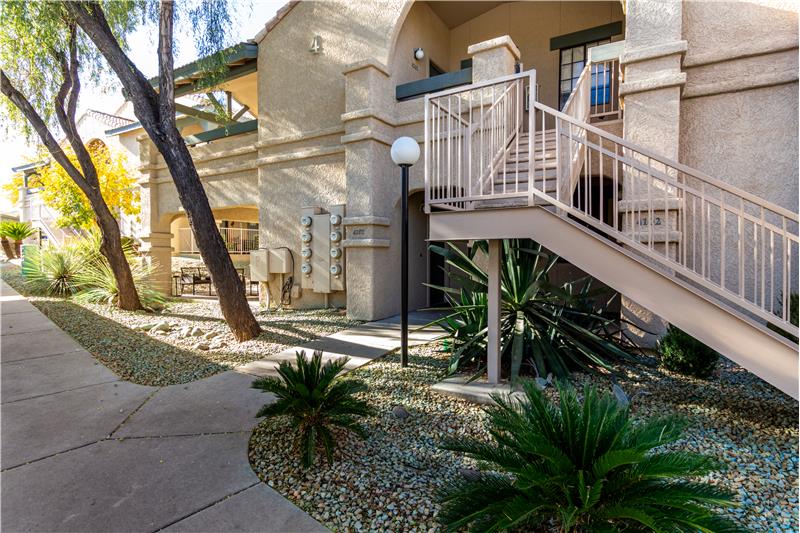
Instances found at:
x=322 y=255
x=280 y=261
x=259 y=264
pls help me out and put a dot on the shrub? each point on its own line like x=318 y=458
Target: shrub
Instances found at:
x=316 y=402
x=556 y=328
x=17 y=232
x=580 y=468
x=51 y=271
x=98 y=284
x=682 y=353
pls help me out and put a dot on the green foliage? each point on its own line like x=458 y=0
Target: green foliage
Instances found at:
x=581 y=468
x=316 y=402
x=98 y=284
x=52 y=271
x=32 y=34
x=682 y=353
x=554 y=328
x=16 y=231
x=80 y=270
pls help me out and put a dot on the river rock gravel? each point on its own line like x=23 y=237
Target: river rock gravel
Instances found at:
x=189 y=340
x=389 y=481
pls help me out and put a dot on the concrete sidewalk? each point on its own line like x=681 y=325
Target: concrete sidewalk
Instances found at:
x=84 y=451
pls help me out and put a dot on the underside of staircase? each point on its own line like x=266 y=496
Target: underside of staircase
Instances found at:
x=751 y=345
x=714 y=260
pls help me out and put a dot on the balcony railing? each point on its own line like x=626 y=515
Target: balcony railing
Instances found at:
x=237 y=240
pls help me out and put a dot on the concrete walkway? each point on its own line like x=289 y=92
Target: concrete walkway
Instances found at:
x=85 y=451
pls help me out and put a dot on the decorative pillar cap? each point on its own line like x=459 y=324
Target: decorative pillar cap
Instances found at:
x=498 y=42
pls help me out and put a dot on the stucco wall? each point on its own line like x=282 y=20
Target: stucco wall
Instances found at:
x=422 y=28
x=739 y=106
x=531 y=25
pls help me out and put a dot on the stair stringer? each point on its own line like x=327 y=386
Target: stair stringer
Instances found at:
x=751 y=345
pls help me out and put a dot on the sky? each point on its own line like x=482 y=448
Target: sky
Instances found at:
x=248 y=18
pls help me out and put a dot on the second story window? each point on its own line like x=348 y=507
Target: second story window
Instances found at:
x=572 y=60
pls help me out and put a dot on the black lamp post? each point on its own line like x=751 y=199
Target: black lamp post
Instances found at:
x=405 y=152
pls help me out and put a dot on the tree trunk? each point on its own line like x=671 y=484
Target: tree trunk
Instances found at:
x=7 y=248
x=111 y=248
x=156 y=113
x=18 y=248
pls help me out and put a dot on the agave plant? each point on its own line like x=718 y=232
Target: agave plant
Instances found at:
x=52 y=271
x=17 y=232
x=316 y=402
x=581 y=468
x=556 y=328
x=98 y=284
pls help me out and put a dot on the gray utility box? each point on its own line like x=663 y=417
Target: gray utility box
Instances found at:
x=265 y=262
x=322 y=256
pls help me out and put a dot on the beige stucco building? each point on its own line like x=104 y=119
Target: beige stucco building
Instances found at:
x=671 y=113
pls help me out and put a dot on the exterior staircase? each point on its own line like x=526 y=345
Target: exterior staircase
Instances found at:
x=714 y=260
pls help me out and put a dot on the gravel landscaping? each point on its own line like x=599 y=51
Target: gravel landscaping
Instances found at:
x=187 y=341
x=388 y=482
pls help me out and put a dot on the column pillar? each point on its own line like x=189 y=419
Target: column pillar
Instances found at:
x=156 y=237
x=494 y=58
x=494 y=302
x=651 y=94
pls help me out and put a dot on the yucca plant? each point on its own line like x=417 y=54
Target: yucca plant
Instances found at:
x=316 y=402
x=556 y=328
x=17 y=232
x=98 y=284
x=580 y=468
x=52 y=271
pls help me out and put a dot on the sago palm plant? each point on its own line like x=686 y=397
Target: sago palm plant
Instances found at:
x=554 y=327
x=316 y=402
x=18 y=232
x=580 y=468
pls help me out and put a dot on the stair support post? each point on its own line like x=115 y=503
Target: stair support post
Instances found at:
x=493 y=325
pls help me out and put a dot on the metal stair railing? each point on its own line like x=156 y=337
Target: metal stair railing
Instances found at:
x=469 y=134
x=736 y=245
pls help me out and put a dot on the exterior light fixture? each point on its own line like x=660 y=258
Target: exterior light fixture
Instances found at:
x=419 y=54
x=405 y=152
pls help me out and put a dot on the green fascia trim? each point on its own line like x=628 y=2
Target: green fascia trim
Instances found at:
x=433 y=84
x=235 y=72
x=225 y=131
x=29 y=166
x=122 y=129
x=233 y=54
x=180 y=121
x=586 y=36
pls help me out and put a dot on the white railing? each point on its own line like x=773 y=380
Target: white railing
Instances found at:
x=735 y=245
x=469 y=134
x=731 y=242
x=237 y=240
x=606 y=73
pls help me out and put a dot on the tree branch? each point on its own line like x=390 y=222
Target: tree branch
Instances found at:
x=166 y=75
x=68 y=93
x=90 y=17
x=25 y=107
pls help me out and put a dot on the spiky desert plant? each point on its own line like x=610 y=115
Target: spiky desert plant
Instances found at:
x=316 y=402
x=98 y=284
x=18 y=232
x=581 y=467
x=52 y=271
x=556 y=328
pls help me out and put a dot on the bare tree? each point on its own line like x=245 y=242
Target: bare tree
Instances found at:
x=156 y=112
